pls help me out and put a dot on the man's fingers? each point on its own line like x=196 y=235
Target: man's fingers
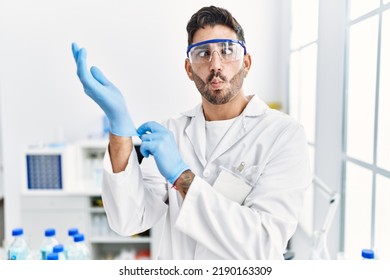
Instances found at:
x=84 y=74
x=88 y=78
x=75 y=51
x=145 y=149
x=82 y=70
x=150 y=127
x=99 y=76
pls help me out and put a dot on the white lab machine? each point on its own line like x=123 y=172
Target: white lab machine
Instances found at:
x=50 y=167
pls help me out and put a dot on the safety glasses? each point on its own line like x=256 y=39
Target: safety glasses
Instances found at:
x=228 y=50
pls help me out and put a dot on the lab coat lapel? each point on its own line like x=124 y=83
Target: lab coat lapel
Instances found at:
x=197 y=135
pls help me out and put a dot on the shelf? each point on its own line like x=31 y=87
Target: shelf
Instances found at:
x=118 y=239
x=46 y=192
x=97 y=210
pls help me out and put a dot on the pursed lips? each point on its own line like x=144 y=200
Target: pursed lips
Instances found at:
x=215 y=83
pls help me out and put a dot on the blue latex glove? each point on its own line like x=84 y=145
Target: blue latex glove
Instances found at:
x=160 y=143
x=105 y=94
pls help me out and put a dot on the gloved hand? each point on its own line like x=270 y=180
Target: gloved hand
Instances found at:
x=105 y=94
x=160 y=143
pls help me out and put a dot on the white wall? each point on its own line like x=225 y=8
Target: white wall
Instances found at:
x=140 y=45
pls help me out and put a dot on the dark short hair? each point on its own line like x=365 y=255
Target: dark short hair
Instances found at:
x=211 y=16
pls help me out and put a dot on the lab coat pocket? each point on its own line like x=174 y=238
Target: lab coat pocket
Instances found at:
x=232 y=186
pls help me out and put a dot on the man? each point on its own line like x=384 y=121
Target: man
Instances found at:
x=228 y=177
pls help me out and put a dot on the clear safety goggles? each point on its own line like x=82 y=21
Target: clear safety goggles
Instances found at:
x=228 y=50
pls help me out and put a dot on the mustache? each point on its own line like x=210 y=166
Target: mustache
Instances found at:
x=216 y=75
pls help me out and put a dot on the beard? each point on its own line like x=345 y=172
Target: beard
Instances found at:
x=220 y=96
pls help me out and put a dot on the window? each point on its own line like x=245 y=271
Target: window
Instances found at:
x=367 y=134
x=382 y=210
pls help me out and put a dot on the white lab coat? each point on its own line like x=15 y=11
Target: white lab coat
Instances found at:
x=207 y=225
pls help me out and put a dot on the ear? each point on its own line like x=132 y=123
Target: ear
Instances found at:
x=247 y=63
x=188 y=68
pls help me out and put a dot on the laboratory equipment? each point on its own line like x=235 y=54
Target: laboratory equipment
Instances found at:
x=50 y=167
x=48 y=243
x=227 y=49
x=368 y=254
x=59 y=250
x=53 y=257
x=19 y=248
x=320 y=248
x=69 y=242
x=79 y=250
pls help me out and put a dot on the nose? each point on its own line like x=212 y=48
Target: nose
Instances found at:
x=215 y=61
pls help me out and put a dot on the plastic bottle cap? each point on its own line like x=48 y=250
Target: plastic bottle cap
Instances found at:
x=78 y=237
x=58 y=248
x=73 y=231
x=50 y=232
x=368 y=254
x=17 y=231
x=52 y=256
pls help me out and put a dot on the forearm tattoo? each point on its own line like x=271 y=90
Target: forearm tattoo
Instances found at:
x=184 y=182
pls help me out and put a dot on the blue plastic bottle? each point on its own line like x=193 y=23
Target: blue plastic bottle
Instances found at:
x=19 y=248
x=69 y=242
x=48 y=243
x=368 y=254
x=52 y=257
x=79 y=250
x=59 y=249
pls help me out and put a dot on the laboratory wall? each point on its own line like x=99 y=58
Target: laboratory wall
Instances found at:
x=139 y=45
x=1 y=182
